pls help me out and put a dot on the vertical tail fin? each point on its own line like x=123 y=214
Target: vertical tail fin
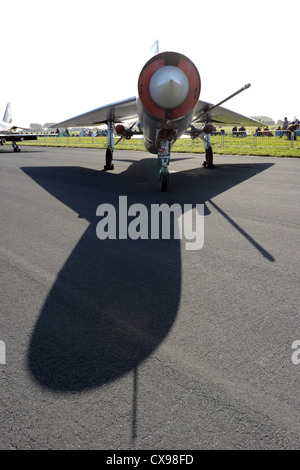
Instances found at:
x=7 y=115
x=154 y=49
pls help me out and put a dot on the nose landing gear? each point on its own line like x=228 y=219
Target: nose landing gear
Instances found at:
x=164 y=156
x=164 y=178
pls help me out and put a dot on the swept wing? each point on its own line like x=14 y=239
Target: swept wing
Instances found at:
x=114 y=112
x=126 y=109
x=219 y=115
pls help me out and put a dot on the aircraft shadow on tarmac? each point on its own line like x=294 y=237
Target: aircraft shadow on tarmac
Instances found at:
x=114 y=301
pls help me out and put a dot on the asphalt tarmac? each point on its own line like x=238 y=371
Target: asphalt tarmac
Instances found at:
x=143 y=344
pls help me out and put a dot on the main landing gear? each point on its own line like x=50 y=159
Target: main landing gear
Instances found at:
x=108 y=160
x=209 y=157
x=110 y=147
x=208 y=162
x=15 y=146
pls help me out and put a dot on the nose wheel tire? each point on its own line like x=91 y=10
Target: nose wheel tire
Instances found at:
x=164 y=178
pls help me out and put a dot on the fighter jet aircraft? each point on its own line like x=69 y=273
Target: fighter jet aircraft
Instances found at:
x=12 y=133
x=166 y=106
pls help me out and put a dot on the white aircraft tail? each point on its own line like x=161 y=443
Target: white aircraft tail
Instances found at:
x=154 y=49
x=7 y=115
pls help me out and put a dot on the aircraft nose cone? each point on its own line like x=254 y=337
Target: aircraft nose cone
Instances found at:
x=169 y=87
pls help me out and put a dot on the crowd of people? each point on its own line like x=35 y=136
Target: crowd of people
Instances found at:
x=288 y=128
x=241 y=132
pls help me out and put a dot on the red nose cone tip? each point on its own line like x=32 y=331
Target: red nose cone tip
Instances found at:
x=169 y=87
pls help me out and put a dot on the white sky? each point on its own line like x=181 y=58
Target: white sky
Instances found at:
x=61 y=58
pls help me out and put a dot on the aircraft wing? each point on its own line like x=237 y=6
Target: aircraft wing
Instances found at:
x=115 y=112
x=220 y=115
x=126 y=109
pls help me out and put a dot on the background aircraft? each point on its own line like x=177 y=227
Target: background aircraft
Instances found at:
x=166 y=106
x=11 y=133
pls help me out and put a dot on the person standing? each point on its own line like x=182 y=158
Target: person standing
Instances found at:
x=292 y=131
x=285 y=125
